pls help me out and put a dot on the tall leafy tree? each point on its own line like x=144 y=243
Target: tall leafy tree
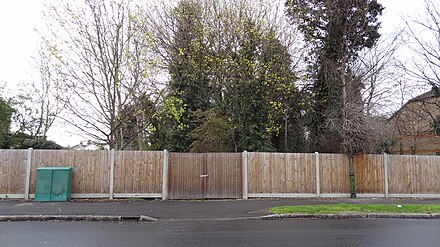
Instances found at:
x=231 y=79
x=247 y=92
x=261 y=91
x=188 y=69
x=285 y=98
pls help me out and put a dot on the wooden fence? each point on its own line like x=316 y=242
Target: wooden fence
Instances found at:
x=12 y=172
x=137 y=174
x=150 y=174
x=272 y=174
x=91 y=169
x=203 y=176
x=369 y=174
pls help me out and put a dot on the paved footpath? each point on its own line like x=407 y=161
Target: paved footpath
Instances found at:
x=176 y=210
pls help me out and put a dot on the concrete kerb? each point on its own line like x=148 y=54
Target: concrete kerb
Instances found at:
x=145 y=218
x=350 y=216
x=101 y=218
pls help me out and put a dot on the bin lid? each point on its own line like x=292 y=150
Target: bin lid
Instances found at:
x=57 y=168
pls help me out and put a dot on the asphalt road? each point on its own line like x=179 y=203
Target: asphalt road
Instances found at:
x=348 y=232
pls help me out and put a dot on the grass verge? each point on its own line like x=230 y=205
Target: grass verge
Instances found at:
x=343 y=208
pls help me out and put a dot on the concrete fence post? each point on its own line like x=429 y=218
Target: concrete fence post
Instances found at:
x=28 y=174
x=112 y=173
x=318 y=182
x=245 y=164
x=385 y=174
x=165 y=175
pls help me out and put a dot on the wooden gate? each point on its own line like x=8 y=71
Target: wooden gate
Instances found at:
x=203 y=176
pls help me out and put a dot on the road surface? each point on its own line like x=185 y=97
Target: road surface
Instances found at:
x=289 y=232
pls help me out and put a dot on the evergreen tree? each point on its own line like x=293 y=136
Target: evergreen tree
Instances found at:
x=337 y=30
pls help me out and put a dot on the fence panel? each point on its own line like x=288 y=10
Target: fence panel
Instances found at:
x=411 y=174
x=333 y=171
x=369 y=173
x=12 y=171
x=224 y=172
x=138 y=172
x=91 y=169
x=281 y=173
x=184 y=171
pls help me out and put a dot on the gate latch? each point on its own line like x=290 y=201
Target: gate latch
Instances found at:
x=204 y=175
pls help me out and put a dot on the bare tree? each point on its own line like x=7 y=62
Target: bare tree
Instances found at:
x=108 y=67
x=425 y=43
x=377 y=70
x=39 y=102
x=222 y=19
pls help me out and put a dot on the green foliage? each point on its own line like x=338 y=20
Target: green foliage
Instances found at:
x=234 y=82
x=167 y=126
x=339 y=27
x=189 y=84
x=260 y=91
x=213 y=134
x=6 y=112
x=42 y=144
x=337 y=30
x=20 y=140
x=38 y=144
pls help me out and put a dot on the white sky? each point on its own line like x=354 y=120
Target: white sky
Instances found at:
x=18 y=19
x=19 y=41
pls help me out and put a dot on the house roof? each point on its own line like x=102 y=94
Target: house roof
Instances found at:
x=435 y=92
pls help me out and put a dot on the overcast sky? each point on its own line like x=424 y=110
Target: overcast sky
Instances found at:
x=19 y=40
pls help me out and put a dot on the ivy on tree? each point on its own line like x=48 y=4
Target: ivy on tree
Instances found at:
x=337 y=31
